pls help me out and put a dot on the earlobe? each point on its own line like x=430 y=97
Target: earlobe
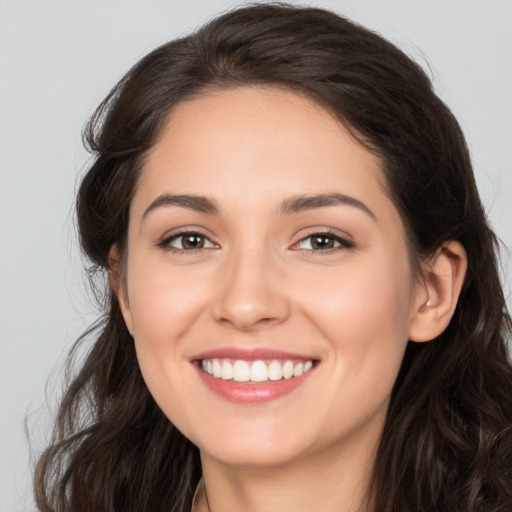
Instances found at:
x=439 y=292
x=117 y=282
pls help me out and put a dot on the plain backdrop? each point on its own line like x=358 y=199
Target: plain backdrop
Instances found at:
x=59 y=58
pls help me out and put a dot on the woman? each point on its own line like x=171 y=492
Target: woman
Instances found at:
x=304 y=309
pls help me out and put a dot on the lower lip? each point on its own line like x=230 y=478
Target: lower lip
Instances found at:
x=252 y=393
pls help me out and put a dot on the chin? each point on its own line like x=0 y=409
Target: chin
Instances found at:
x=253 y=457
x=256 y=448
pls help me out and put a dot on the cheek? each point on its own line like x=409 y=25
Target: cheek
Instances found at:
x=163 y=300
x=364 y=298
x=364 y=320
x=163 y=304
x=364 y=314
x=163 y=310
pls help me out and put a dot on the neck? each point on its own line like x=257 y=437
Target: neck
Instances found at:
x=334 y=481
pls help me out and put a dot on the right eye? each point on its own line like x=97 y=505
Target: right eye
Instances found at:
x=189 y=241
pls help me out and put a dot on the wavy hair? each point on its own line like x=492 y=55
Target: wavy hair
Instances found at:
x=447 y=439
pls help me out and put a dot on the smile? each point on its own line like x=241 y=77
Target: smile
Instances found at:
x=257 y=371
x=253 y=376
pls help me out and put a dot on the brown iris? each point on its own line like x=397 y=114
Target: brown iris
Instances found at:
x=193 y=241
x=322 y=242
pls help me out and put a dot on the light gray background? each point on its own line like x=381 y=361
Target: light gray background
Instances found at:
x=58 y=58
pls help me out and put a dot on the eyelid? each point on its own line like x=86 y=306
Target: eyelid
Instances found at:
x=345 y=240
x=164 y=241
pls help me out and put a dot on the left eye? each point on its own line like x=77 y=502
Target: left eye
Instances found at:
x=322 y=242
x=189 y=241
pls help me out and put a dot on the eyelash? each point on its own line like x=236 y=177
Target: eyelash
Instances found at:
x=342 y=243
x=165 y=243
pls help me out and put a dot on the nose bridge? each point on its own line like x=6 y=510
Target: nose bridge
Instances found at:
x=249 y=296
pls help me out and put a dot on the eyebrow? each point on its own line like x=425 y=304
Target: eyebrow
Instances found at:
x=198 y=203
x=309 y=202
x=293 y=205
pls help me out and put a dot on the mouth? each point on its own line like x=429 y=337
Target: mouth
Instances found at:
x=255 y=371
x=253 y=376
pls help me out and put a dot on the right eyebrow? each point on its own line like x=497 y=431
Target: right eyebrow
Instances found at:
x=310 y=202
x=192 y=202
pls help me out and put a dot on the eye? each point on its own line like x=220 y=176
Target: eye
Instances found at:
x=189 y=241
x=323 y=242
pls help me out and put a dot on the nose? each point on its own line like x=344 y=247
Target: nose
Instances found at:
x=251 y=296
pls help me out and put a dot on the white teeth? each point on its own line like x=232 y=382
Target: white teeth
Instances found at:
x=217 y=371
x=227 y=370
x=275 y=370
x=241 y=371
x=298 y=369
x=288 y=370
x=256 y=371
x=259 y=371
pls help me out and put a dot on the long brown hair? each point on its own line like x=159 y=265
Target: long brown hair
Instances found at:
x=447 y=441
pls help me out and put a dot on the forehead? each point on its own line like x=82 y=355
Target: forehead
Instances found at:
x=257 y=145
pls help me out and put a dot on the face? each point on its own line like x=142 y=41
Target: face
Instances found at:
x=267 y=282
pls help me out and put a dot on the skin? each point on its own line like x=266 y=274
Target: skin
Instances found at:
x=259 y=282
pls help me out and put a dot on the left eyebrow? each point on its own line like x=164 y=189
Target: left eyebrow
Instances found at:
x=309 y=202
x=192 y=202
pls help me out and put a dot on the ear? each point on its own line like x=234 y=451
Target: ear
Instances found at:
x=438 y=292
x=117 y=281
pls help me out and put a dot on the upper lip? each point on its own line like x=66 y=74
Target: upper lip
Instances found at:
x=249 y=354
